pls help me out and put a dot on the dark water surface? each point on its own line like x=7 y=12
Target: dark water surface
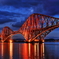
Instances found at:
x=47 y=50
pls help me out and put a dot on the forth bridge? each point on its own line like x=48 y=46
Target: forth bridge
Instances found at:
x=35 y=28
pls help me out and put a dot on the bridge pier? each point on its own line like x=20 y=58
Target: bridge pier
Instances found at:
x=41 y=40
x=2 y=40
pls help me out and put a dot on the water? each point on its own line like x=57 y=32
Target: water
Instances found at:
x=47 y=50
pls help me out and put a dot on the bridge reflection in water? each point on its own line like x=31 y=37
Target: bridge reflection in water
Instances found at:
x=21 y=51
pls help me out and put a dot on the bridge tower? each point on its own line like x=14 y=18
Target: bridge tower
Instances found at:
x=5 y=33
x=37 y=26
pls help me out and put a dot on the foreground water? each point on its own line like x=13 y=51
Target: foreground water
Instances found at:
x=47 y=50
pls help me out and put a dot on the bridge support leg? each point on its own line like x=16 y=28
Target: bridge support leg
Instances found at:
x=2 y=40
x=41 y=39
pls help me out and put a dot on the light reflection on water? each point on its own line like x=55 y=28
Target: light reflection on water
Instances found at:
x=29 y=50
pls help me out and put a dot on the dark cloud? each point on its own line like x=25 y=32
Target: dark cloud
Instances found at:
x=52 y=7
x=1 y=28
x=18 y=24
x=48 y=7
x=6 y=16
x=2 y=21
x=20 y=3
x=6 y=13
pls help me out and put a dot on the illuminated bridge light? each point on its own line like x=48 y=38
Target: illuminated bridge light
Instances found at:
x=10 y=40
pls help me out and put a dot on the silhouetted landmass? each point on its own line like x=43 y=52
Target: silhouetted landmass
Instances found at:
x=51 y=40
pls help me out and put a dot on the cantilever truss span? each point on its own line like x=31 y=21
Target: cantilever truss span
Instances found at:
x=37 y=26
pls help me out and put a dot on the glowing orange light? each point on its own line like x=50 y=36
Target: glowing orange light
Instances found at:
x=10 y=41
x=2 y=49
x=29 y=49
x=29 y=41
x=11 y=49
x=36 y=40
x=43 y=40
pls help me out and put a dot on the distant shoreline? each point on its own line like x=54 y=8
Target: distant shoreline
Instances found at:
x=51 y=40
x=45 y=40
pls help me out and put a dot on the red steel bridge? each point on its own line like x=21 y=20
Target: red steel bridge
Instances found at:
x=36 y=27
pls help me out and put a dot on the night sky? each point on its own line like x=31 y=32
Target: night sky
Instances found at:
x=13 y=13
